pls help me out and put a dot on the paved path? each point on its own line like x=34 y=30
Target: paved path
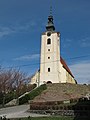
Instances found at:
x=17 y=112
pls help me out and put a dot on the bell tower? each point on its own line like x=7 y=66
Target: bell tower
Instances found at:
x=53 y=68
x=50 y=67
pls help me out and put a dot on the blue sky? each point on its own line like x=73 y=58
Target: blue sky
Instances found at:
x=23 y=21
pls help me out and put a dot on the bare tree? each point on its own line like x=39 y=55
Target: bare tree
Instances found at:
x=11 y=79
x=4 y=79
x=18 y=78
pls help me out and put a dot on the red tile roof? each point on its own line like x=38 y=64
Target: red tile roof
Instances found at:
x=65 y=66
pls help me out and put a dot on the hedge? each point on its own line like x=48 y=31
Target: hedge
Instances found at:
x=32 y=94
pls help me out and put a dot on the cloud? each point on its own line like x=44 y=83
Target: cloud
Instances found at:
x=85 y=42
x=33 y=23
x=19 y=27
x=8 y=30
x=5 y=31
x=66 y=42
x=81 y=71
x=28 y=57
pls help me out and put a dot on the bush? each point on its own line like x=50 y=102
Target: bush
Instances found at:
x=32 y=94
x=9 y=97
x=1 y=98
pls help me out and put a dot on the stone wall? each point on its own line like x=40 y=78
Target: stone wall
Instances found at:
x=74 y=108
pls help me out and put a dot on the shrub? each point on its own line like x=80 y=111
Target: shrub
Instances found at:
x=9 y=97
x=1 y=98
x=32 y=94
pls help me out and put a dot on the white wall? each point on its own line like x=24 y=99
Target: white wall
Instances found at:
x=54 y=62
x=57 y=74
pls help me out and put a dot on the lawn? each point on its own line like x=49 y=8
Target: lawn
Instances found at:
x=48 y=118
x=53 y=118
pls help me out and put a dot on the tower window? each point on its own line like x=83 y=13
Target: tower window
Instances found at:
x=48 y=41
x=48 y=69
x=49 y=33
x=48 y=49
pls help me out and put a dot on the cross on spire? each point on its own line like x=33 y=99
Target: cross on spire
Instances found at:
x=50 y=24
x=50 y=10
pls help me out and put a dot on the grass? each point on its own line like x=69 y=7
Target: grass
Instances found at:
x=53 y=118
x=46 y=118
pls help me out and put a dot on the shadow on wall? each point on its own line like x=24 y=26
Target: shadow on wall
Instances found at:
x=82 y=110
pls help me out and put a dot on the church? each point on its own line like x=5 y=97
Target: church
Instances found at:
x=53 y=68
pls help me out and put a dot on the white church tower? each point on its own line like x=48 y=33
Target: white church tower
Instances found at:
x=50 y=67
x=53 y=69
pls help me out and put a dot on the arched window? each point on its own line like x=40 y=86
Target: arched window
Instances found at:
x=48 y=41
x=49 y=82
x=48 y=69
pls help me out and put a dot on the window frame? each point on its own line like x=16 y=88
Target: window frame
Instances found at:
x=48 y=57
x=48 y=41
x=48 y=69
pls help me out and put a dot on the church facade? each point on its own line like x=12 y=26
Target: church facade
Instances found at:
x=53 y=68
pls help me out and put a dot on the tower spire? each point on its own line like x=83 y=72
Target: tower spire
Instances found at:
x=50 y=24
x=50 y=10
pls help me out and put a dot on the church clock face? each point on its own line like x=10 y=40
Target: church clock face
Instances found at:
x=49 y=34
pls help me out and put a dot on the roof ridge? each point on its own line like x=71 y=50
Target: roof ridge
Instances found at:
x=65 y=66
